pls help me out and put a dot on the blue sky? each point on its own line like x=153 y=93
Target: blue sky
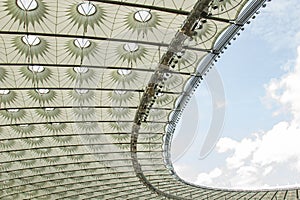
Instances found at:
x=261 y=78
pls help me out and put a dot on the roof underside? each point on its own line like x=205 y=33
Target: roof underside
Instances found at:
x=89 y=90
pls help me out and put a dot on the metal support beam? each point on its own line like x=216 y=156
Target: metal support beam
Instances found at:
x=151 y=90
x=145 y=6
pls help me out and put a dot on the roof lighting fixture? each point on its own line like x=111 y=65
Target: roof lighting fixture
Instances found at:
x=49 y=109
x=4 y=92
x=36 y=68
x=86 y=8
x=131 y=47
x=82 y=91
x=42 y=91
x=24 y=125
x=12 y=110
x=120 y=92
x=124 y=72
x=31 y=40
x=82 y=43
x=142 y=16
x=27 y=5
x=81 y=70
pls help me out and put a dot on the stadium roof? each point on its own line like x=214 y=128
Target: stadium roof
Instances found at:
x=91 y=91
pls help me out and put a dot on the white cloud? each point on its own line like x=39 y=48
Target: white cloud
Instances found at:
x=262 y=158
x=283 y=28
x=207 y=178
x=242 y=150
x=226 y=144
x=278 y=145
x=267 y=170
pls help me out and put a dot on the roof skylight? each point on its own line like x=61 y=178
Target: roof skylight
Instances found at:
x=36 y=68
x=81 y=69
x=27 y=4
x=12 y=110
x=86 y=8
x=24 y=125
x=142 y=16
x=120 y=92
x=4 y=91
x=131 y=47
x=124 y=72
x=82 y=43
x=31 y=40
x=82 y=91
x=42 y=91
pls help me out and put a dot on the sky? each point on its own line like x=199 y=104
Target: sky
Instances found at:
x=260 y=73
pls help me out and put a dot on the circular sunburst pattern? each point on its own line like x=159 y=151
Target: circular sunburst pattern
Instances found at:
x=56 y=127
x=119 y=96
x=48 y=113
x=142 y=21
x=119 y=112
x=188 y=59
x=68 y=149
x=157 y=114
x=32 y=13
x=123 y=76
x=150 y=137
x=119 y=126
x=3 y=74
x=121 y=137
x=7 y=97
x=83 y=113
x=80 y=74
x=220 y=7
x=87 y=126
x=42 y=95
x=16 y=154
x=122 y=146
x=43 y=151
x=27 y=163
x=13 y=114
x=36 y=73
x=204 y=31
x=52 y=160
x=36 y=141
x=62 y=139
x=126 y=52
x=23 y=129
x=5 y=166
x=86 y=14
x=173 y=81
x=152 y=127
x=17 y=174
x=81 y=47
x=5 y=144
x=163 y=99
x=82 y=95
x=30 y=47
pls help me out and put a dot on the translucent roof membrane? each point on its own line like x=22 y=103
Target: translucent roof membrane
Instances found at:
x=87 y=88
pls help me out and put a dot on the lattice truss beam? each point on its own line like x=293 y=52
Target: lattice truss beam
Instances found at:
x=89 y=91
